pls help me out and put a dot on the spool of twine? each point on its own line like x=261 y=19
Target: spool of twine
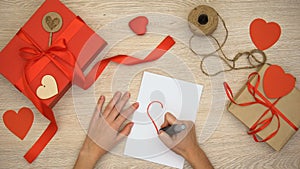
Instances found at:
x=203 y=20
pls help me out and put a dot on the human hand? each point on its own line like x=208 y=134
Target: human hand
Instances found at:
x=184 y=143
x=105 y=129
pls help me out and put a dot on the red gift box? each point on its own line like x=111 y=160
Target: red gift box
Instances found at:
x=80 y=40
x=27 y=58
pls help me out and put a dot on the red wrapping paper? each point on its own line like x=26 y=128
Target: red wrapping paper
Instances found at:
x=10 y=55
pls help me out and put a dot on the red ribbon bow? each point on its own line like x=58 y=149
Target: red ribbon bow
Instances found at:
x=58 y=53
x=35 y=53
x=259 y=98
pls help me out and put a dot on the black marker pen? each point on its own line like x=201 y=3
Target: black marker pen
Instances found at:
x=174 y=129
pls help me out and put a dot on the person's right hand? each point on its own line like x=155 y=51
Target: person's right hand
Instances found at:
x=184 y=143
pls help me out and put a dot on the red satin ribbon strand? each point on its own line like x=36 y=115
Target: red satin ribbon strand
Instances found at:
x=50 y=131
x=231 y=98
x=259 y=98
x=261 y=124
x=148 y=113
x=59 y=55
x=264 y=101
x=58 y=52
x=86 y=81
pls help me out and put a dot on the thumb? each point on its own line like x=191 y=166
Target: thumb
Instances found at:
x=125 y=131
x=165 y=138
x=170 y=119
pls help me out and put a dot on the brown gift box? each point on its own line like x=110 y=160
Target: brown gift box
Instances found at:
x=289 y=105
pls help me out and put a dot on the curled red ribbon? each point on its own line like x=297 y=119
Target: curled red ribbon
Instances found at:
x=59 y=55
x=148 y=113
x=259 y=98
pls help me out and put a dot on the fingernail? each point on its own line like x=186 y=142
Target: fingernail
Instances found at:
x=101 y=98
x=136 y=105
x=127 y=94
x=118 y=93
x=131 y=124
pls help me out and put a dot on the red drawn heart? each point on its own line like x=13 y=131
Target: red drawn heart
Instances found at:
x=148 y=113
x=139 y=25
x=18 y=123
x=277 y=83
x=264 y=34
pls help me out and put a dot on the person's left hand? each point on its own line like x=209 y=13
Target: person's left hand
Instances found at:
x=105 y=129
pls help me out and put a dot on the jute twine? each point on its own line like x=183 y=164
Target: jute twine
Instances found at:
x=203 y=21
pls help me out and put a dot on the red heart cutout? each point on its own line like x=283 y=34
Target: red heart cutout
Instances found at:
x=264 y=34
x=18 y=123
x=139 y=25
x=277 y=83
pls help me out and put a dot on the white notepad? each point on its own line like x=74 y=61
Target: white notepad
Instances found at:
x=178 y=97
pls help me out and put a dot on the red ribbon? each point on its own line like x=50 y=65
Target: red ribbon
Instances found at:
x=59 y=55
x=86 y=81
x=259 y=98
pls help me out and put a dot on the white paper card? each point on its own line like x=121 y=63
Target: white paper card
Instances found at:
x=178 y=97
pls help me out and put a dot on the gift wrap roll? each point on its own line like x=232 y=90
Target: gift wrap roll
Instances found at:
x=203 y=20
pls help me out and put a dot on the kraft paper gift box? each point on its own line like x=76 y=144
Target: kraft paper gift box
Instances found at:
x=288 y=105
x=80 y=41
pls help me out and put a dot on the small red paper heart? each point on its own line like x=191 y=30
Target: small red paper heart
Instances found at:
x=18 y=123
x=277 y=83
x=139 y=25
x=264 y=34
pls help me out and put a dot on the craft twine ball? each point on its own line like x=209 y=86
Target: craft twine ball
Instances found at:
x=203 y=20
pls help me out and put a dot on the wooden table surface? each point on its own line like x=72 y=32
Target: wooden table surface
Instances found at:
x=220 y=134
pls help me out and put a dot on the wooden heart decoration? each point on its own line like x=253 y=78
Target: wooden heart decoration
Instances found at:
x=277 y=83
x=48 y=88
x=52 y=23
x=18 y=123
x=264 y=34
x=139 y=25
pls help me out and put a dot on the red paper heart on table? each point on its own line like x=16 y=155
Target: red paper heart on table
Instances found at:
x=264 y=34
x=139 y=25
x=18 y=123
x=277 y=83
